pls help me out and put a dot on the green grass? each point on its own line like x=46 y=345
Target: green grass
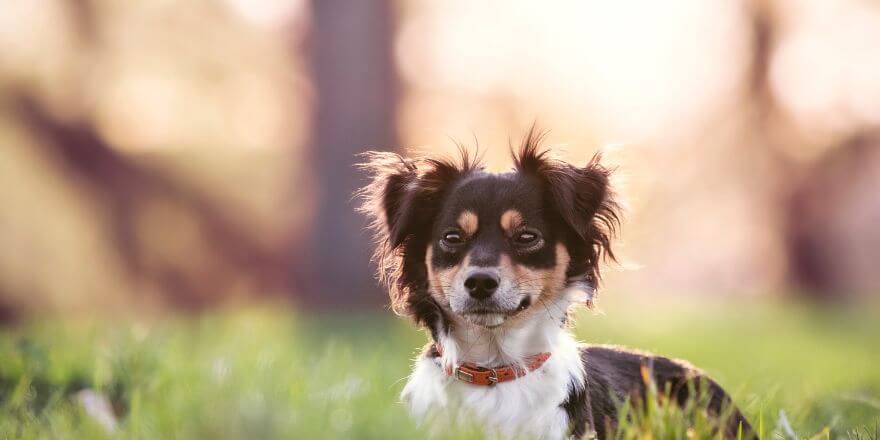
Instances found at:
x=273 y=373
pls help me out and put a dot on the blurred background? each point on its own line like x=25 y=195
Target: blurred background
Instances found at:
x=162 y=154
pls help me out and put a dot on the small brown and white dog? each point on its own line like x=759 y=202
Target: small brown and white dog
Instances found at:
x=491 y=265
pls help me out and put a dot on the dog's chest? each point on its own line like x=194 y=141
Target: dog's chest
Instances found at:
x=527 y=407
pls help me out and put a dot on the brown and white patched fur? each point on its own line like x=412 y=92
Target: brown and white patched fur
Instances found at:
x=491 y=265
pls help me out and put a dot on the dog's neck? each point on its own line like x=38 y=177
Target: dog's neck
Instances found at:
x=542 y=330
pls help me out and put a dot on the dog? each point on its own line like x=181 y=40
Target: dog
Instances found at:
x=491 y=265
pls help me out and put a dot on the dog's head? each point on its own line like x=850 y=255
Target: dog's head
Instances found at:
x=458 y=243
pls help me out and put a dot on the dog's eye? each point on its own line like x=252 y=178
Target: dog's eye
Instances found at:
x=453 y=238
x=525 y=238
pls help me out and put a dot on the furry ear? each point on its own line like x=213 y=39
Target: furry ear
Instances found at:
x=583 y=199
x=401 y=201
x=387 y=198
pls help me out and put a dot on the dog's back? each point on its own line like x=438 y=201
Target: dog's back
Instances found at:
x=613 y=374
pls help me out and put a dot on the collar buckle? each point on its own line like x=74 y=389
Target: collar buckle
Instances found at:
x=468 y=374
x=493 y=377
x=463 y=376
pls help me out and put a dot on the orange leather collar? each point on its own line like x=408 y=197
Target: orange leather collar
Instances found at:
x=477 y=375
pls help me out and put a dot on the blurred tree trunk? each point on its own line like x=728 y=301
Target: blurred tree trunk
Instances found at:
x=355 y=80
x=824 y=261
x=9 y=310
x=832 y=218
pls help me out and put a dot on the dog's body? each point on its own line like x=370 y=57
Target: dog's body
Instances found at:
x=490 y=265
x=574 y=396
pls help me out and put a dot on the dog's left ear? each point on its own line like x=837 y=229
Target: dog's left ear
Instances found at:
x=583 y=198
x=401 y=200
x=402 y=190
x=389 y=197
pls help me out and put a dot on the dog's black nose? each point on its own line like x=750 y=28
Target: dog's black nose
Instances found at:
x=481 y=285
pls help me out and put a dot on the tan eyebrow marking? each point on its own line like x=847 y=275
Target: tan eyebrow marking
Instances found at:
x=468 y=222
x=510 y=220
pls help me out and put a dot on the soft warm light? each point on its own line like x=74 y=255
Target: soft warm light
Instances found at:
x=634 y=66
x=827 y=72
x=267 y=13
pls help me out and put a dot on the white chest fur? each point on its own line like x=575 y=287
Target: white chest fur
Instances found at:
x=526 y=407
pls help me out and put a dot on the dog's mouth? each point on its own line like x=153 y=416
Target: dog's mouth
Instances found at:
x=493 y=317
x=487 y=312
x=485 y=318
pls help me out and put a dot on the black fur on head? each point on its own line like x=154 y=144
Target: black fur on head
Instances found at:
x=405 y=197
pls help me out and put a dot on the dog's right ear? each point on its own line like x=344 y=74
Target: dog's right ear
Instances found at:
x=402 y=200
x=585 y=201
